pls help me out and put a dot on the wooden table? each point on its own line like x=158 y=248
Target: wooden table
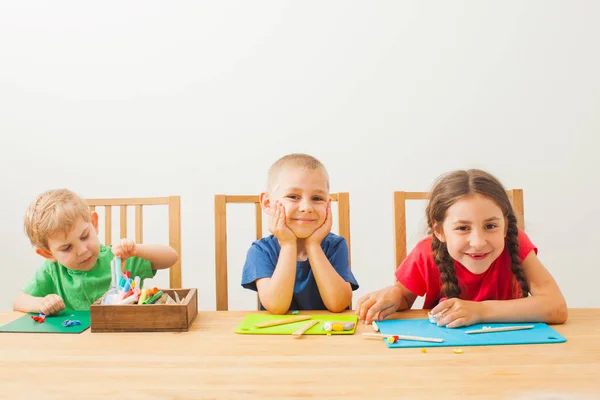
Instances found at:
x=212 y=362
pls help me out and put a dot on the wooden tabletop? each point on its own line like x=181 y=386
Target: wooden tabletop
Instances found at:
x=212 y=362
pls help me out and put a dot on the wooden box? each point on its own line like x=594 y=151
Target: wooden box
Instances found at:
x=146 y=317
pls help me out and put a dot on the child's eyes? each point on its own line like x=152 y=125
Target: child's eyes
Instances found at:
x=297 y=197
x=85 y=237
x=66 y=249
x=466 y=228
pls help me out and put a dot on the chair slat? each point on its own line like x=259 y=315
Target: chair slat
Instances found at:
x=139 y=224
x=221 y=251
x=123 y=215
x=108 y=225
x=175 y=239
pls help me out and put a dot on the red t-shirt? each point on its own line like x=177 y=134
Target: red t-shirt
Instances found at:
x=420 y=274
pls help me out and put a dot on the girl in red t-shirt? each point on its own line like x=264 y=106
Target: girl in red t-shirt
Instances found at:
x=475 y=267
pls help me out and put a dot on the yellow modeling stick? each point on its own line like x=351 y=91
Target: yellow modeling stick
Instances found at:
x=487 y=329
x=306 y=327
x=283 y=321
x=403 y=337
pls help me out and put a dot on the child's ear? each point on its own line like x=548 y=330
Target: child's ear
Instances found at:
x=438 y=231
x=45 y=253
x=95 y=220
x=265 y=202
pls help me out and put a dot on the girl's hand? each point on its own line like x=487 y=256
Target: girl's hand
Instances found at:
x=454 y=312
x=379 y=304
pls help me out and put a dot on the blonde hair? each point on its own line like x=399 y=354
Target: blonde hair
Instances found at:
x=294 y=160
x=54 y=211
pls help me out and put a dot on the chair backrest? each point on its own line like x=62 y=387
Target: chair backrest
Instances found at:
x=221 y=201
x=174 y=205
x=515 y=196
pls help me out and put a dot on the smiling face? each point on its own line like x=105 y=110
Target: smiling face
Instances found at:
x=474 y=231
x=304 y=194
x=78 y=249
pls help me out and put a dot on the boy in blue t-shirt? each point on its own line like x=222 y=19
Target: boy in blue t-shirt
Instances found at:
x=302 y=265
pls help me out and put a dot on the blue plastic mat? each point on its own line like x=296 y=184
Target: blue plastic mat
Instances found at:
x=540 y=333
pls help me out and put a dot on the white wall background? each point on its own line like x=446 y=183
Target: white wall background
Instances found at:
x=156 y=98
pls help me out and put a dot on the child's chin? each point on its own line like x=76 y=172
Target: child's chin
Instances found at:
x=87 y=266
x=303 y=234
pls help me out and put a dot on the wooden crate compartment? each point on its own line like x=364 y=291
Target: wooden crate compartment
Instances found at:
x=146 y=317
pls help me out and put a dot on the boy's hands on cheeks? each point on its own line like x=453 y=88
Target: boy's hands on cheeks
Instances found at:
x=277 y=225
x=124 y=249
x=321 y=232
x=454 y=312
x=379 y=304
x=52 y=304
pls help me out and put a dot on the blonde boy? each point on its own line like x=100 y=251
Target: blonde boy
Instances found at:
x=77 y=270
x=302 y=265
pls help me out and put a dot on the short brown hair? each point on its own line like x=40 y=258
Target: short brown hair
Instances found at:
x=54 y=211
x=294 y=160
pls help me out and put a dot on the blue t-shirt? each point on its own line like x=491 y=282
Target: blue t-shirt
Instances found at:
x=262 y=258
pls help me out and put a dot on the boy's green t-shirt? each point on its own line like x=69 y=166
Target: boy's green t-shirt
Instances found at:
x=79 y=289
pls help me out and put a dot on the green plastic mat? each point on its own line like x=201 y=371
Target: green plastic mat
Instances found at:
x=247 y=325
x=52 y=324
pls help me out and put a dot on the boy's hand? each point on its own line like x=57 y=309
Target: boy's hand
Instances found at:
x=124 y=249
x=379 y=304
x=277 y=225
x=52 y=304
x=318 y=235
x=455 y=312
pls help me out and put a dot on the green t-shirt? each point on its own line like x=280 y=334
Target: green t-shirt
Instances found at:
x=79 y=289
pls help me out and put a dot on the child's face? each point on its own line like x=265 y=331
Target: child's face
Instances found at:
x=304 y=195
x=79 y=249
x=474 y=230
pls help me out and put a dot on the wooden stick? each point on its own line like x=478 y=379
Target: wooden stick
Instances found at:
x=283 y=321
x=306 y=327
x=403 y=337
x=500 y=329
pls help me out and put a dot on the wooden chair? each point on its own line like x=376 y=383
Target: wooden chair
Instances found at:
x=515 y=196
x=221 y=201
x=173 y=203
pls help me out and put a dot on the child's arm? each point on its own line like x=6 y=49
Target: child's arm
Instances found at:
x=50 y=304
x=160 y=256
x=545 y=304
x=276 y=292
x=335 y=291
x=384 y=302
